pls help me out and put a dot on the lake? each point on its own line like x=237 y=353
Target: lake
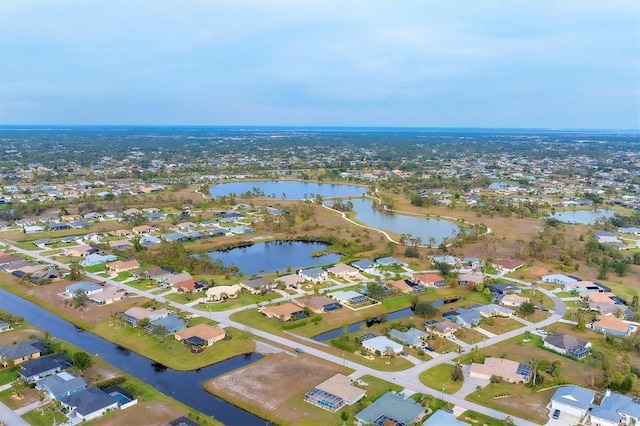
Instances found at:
x=275 y=256
x=583 y=217
x=287 y=189
x=184 y=386
x=422 y=227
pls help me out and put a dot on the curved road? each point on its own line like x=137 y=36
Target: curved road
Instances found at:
x=407 y=378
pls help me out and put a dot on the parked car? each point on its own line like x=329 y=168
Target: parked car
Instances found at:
x=556 y=414
x=298 y=350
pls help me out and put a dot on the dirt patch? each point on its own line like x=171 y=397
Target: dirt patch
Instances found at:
x=20 y=335
x=271 y=382
x=143 y=414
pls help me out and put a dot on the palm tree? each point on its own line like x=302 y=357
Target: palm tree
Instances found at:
x=534 y=363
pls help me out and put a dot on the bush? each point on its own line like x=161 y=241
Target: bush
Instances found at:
x=317 y=318
x=495 y=379
x=411 y=252
x=292 y=325
x=345 y=345
x=111 y=382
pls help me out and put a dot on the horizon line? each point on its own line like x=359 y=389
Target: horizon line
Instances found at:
x=320 y=127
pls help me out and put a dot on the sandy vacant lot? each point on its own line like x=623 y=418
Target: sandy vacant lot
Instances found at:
x=269 y=383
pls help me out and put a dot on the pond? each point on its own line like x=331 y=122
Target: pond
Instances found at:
x=422 y=227
x=184 y=386
x=287 y=189
x=275 y=256
x=583 y=217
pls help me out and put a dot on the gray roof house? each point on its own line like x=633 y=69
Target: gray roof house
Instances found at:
x=19 y=352
x=391 y=407
x=567 y=344
x=257 y=284
x=411 y=337
x=365 y=265
x=39 y=368
x=89 y=404
x=467 y=317
x=314 y=274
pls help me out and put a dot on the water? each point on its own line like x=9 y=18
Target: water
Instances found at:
x=332 y=334
x=424 y=228
x=287 y=189
x=583 y=217
x=184 y=386
x=275 y=256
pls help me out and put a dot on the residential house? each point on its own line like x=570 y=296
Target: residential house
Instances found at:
x=319 y=304
x=365 y=265
x=121 y=245
x=587 y=287
x=444 y=328
x=573 y=400
x=428 y=280
x=97 y=259
x=411 y=337
x=315 y=275
x=343 y=271
x=61 y=385
x=493 y=310
x=149 y=240
x=4 y=326
x=223 y=292
x=505 y=288
x=191 y=285
x=59 y=226
x=391 y=408
x=81 y=251
x=122 y=266
x=284 y=312
x=122 y=233
x=390 y=261
x=400 y=285
x=350 y=297
x=566 y=344
x=440 y=418
x=508 y=265
x=467 y=318
x=468 y=279
x=87 y=287
x=50 y=274
x=176 y=236
x=561 y=279
x=290 y=280
x=510 y=371
x=20 y=352
x=156 y=273
x=512 y=300
x=201 y=335
x=39 y=368
x=109 y=295
x=142 y=229
x=80 y=224
x=172 y=324
x=381 y=344
x=132 y=315
x=258 y=285
x=88 y=404
x=612 y=326
x=334 y=393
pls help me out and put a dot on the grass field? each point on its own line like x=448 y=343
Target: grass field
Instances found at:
x=172 y=353
x=439 y=377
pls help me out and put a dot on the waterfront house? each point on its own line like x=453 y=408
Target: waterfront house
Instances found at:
x=365 y=265
x=258 y=285
x=391 y=408
x=201 y=335
x=284 y=312
x=334 y=393
x=61 y=385
x=315 y=275
x=20 y=352
x=88 y=404
x=319 y=304
x=411 y=337
x=87 y=287
x=39 y=368
x=223 y=292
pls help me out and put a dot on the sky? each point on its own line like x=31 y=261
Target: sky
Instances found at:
x=423 y=63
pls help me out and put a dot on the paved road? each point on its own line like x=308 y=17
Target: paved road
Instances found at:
x=408 y=378
x=10 y=418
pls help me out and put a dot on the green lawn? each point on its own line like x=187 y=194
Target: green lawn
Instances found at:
x=43 y=417
x=172 y=353
x=244 y=298
x=439 y=378
x=473 y=418
x=8 y=375
x=95 y=268
x=502 y=325
x=123 y=276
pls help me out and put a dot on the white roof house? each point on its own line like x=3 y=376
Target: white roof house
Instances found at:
x=558 y=279
x=381 y=343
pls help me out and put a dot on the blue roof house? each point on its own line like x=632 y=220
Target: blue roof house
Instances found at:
x=573 y=400
x=391 y=407
x=88 y=404
x=411 y=337
x=39 y=368
x=173 y=323
x=440 y=418
x=86 y=286
x=365 y=265
x=467 y=318
x=97 y=259
x=390 y=261
x=61 y=385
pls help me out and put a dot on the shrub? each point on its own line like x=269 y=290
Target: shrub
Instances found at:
x=111 y=382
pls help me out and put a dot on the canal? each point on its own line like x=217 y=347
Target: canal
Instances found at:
x=184 y=386
x=332 y=334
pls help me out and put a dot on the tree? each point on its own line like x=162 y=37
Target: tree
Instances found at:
x=160 y=331
x=344 y=416
x=527 y=308
x=425 y=310
x=75 y=271
x=376 y=290
x=581 y=322
x=18 y=386
x=82 y=361
x=443 y=267
x=143 y=323
x=80 y=298
x=411 y=252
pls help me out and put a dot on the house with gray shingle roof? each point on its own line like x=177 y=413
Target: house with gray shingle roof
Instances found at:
x=89 y=404
x=391 y=408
